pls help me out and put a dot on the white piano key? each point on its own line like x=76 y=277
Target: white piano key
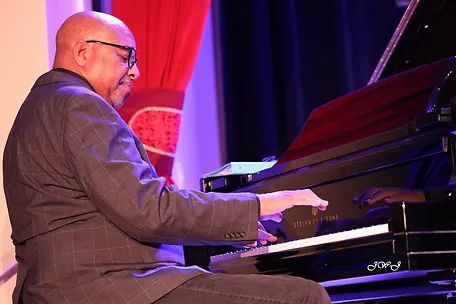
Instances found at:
x=303 y=243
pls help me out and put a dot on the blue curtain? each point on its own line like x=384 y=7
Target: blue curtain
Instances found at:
x=280 y=59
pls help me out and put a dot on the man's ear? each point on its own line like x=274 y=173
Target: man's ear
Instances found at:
x=81 y=52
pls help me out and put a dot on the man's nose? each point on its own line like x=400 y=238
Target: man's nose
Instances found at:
x=134 y=72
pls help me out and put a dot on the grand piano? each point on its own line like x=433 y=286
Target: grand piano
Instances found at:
x=397 y=131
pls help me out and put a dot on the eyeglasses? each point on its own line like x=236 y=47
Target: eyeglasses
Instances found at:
x=132 y=60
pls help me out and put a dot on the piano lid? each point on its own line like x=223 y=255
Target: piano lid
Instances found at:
x=426 y=33
x=412 y=68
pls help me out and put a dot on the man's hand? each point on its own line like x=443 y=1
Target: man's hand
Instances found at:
x=272 y=204
x=263 y=236
x=389 y=195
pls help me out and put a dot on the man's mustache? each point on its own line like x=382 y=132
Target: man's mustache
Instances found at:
x=127 y=82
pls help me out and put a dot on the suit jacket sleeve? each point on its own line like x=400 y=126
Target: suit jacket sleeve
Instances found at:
x=102 y=153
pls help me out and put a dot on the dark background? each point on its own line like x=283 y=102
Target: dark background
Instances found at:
x=280 y=59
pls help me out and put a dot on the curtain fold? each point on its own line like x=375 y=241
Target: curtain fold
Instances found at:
x=168 y=35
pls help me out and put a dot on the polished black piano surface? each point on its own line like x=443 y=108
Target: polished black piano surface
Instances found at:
x=398 y=131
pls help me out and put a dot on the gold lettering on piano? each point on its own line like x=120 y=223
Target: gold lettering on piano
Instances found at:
x=316 y=220
x=314 y=211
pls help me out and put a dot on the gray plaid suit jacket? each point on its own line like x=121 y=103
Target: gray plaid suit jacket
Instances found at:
x=91 y=222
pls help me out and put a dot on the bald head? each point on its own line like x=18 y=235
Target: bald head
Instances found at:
x=100 y=48
x=85 y=26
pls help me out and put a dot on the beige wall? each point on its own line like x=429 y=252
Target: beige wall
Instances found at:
x=27 y=53
x=25 y=25
x=23 y=29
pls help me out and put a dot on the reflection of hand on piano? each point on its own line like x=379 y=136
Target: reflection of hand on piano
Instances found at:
x=272 y=204
x=389 y=195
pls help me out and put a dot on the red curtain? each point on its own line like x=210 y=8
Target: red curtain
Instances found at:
x=168 y=35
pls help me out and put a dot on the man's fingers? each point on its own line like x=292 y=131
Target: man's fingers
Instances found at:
x=319 y=203
x=276 y=202
x=307 y=197
x=322 y=207
x=253 y=245
x=307 y=194
x=264 y=237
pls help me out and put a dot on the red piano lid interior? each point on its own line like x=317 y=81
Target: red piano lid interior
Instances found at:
x=379 y=107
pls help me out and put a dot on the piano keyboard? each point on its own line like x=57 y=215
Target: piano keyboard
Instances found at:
x=302 y=243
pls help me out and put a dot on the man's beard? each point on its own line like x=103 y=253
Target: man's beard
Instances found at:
x=117 y=100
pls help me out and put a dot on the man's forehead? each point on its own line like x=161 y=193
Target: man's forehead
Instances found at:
x=115 y=34
x=124 y=36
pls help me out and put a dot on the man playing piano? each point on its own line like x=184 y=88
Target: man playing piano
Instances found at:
x=92 y=222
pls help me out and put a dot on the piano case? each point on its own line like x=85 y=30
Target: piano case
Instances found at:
x=395 y=132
